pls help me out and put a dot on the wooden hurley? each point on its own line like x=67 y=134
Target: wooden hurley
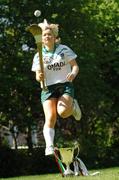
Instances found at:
x=36 y=31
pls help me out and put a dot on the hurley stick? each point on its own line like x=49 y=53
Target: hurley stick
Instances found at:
x=59 y=163
x=36 y=31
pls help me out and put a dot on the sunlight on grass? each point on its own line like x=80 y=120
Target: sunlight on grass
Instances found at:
x=105 y=174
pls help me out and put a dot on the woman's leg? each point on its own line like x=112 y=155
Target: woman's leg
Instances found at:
x=68 y=106
x=49 y=107
x=65 y=106
x=50 y=111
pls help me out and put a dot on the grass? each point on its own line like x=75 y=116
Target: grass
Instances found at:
x=105 y=174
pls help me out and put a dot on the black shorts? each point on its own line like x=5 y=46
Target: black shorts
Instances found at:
x=57 y=90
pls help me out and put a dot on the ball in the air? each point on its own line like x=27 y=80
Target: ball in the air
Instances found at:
x=37 y=13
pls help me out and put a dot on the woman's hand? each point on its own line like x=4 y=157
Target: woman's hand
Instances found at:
x=70 y=77
x=39 y=76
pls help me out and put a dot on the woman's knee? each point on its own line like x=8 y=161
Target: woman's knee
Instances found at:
x=49 y=108
x=64 y=106
x=62 y=112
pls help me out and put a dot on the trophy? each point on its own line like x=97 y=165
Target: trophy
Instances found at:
x=67 y=157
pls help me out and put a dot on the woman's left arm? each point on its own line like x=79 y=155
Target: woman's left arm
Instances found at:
x=75 y=70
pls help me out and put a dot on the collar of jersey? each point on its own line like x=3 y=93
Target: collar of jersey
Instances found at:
x=50 y=52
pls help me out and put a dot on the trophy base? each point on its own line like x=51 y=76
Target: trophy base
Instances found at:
x=68 y=172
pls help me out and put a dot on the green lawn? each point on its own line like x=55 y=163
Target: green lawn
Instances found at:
x=105 y=174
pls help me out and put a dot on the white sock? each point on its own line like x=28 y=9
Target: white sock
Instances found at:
x=49 y=134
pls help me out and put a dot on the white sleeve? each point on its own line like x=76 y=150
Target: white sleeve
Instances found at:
x=69 y=54
x=35 y=64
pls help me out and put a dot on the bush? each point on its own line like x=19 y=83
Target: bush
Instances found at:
x=23 y=162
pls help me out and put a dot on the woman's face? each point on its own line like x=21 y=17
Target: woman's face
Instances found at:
x=48 y=37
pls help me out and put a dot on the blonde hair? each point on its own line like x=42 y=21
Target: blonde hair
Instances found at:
x=54 y=27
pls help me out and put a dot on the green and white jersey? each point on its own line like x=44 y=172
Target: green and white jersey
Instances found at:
x=56 y=64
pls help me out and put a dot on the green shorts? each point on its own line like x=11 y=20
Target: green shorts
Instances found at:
x=57 y=90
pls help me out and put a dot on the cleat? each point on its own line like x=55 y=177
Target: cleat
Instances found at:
x=49 y=151
x=77 y=111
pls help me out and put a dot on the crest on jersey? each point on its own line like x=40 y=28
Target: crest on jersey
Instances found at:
x=47 y=59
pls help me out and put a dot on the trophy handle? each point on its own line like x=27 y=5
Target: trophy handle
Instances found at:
x=76 y=146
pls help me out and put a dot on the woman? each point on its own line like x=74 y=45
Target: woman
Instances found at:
x=60 y=69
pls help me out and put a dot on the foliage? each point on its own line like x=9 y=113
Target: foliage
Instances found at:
x=23 y=162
